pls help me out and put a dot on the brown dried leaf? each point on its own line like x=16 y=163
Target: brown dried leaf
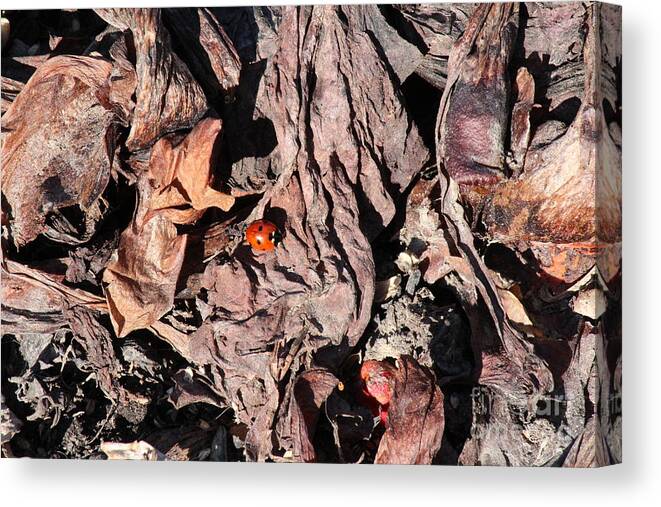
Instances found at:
x=554 y=30
x=348 y=149
x=96 y=339
x=16 y=71
x=122 y=81
x=50 y=282
x=28 y=307
x=589 y=450
x=60 y=153
x=503 y=359
x=208 y=50
x=182 y=175
x=415 y=417
x=567 y=203
x=141 y=280
x=310 y=391
x=167 y=96
x=474 y=109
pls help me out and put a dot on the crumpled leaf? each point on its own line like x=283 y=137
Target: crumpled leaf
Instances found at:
x=474 y=109
x=97 y=342
x=310 y=391
x=567 y=203
x=312 y=296
x=505 y=360
x=182 y=175
x=58 y=154
x=167 y=96
x=34 y=301
x=122 y=81
x=589 y=449
x=191 y=389
x=554 y=30
x=415 y=417
x=142 y=279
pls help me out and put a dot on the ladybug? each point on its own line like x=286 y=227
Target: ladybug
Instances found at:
x=263 y=235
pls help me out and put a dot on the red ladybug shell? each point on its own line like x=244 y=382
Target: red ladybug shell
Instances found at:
x=263 y=235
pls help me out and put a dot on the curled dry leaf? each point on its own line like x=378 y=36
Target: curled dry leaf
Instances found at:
x=345 y=163
x=473 y=127
x=182 y=175
x=566 y=206
x=59 y=154
x=310 y=391
x=415 y=416
x=34 y=301
x=96 y=339
x=142 y=279
x=122 y=81
x=167 y=96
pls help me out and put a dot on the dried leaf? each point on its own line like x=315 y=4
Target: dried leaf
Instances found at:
x=311 y=389
x=415 y=417
x=312 y=296
x=28 y=307
x=209 y=52
x=182 y=175
x=59 y=154
x=141 y=281
x=567 y=203
x=167 y=96
x=589 y=449
x=505 y=359
x=474 y=108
